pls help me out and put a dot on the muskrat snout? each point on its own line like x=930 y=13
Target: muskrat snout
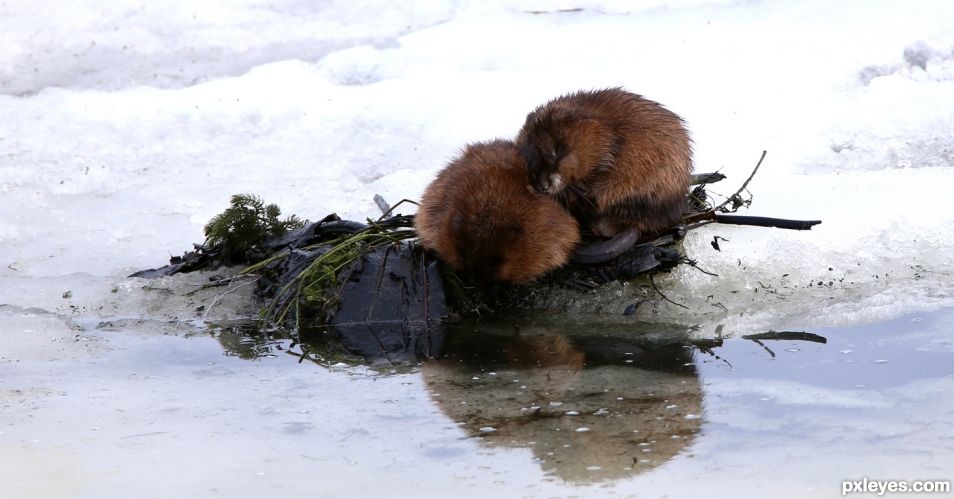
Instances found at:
x=542 y=187
x=538 y=183
x=551 y=185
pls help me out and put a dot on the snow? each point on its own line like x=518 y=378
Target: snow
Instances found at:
x=176 y=44
x=126 y=126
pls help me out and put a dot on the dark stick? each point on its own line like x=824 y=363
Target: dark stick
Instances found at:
x=700 y=219
x=705 y=178
x=781 y=223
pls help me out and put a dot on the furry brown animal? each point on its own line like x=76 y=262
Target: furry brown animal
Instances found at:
x=619 y=161
x=481 y=219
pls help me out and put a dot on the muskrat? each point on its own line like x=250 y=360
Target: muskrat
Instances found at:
x=621 y=162
x=480 y=218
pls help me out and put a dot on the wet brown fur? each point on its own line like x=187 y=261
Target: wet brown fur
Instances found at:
x=481 y=219
x=629 y=157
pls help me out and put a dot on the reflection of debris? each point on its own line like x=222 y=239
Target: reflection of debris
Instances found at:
x=767 y=349
x=708 y=351
x=787 y=335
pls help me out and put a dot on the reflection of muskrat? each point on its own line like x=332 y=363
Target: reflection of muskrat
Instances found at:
x=481 y=219
x=622 y=159
x=590 y=407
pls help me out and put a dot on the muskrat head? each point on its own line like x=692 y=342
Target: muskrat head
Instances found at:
x=487 y=249
x=547 y=145
x=479 y=217
x=543 y=156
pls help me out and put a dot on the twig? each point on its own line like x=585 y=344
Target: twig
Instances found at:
x=717 y=214
x=744 y=184
x=720 y=305
x=693 y=264
x=698 y=219
x=653 y=281
x=226 y=281
x=700 y=223
x=399 y=203
x=228 y=290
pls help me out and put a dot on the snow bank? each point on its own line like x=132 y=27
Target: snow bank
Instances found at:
x=126 y=127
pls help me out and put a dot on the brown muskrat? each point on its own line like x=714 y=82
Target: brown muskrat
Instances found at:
x=620 y=162
x=480 y=218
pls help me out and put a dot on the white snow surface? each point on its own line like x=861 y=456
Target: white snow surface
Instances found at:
x=126 y=127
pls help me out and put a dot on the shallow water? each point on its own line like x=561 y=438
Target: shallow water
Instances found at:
x=159 y=409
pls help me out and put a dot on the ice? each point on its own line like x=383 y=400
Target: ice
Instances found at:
x=42 y=336
x=113 y=154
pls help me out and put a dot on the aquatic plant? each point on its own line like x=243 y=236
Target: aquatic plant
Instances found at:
x=245 y=225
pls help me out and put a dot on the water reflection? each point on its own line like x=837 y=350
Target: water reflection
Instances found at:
x=591 y=407
x=593 y=402
x=246 y=340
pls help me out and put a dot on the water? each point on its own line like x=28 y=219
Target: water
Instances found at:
x=527 y=408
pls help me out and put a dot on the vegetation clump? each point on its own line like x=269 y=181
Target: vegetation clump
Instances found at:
x=243 y=226
x=311 y=275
